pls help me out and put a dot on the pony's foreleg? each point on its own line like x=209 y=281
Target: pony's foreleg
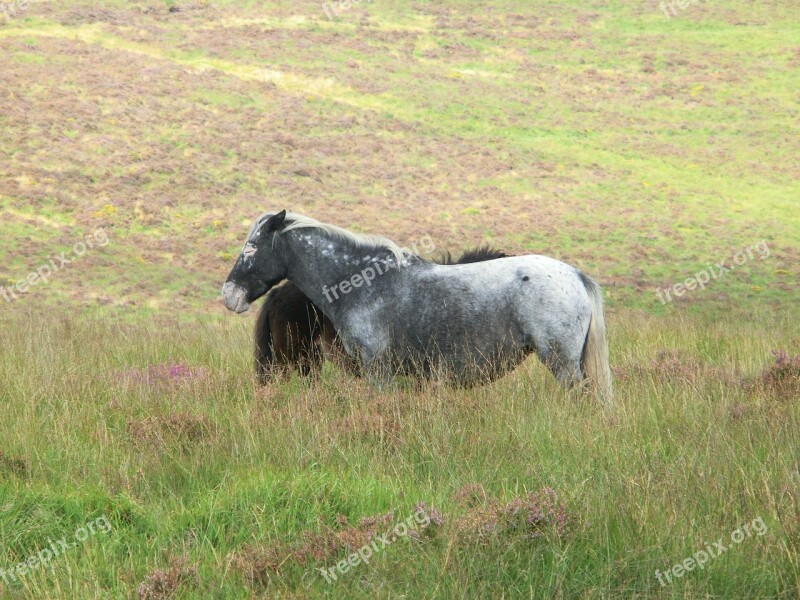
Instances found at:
x=374 y=370
x=377 y=377
x=371 y=365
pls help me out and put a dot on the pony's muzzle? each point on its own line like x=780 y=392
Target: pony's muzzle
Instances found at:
x=234 y=297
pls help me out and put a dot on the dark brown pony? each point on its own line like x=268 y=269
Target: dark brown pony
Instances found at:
x=292 y=332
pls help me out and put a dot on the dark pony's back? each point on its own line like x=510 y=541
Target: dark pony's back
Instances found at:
x=291 y=330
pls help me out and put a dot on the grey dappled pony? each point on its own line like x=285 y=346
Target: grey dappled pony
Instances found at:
x=398 y=313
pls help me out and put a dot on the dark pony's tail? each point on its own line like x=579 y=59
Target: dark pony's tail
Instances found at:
x=263 y=344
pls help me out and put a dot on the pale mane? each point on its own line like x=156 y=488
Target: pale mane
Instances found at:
x=359 y=240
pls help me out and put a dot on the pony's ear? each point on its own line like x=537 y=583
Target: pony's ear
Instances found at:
x=275 y=221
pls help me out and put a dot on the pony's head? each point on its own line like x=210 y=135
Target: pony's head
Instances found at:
x=260 y=266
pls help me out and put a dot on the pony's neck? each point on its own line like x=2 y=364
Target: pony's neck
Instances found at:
x=323 y=266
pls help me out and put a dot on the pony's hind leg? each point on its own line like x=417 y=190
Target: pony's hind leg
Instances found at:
x=564 y=364
x=262 y=368
x=568 y=373
x=310 y=359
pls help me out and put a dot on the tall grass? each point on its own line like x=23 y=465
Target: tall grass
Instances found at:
x=206 y=478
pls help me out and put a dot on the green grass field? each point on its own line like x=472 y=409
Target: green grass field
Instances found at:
x=642 y=147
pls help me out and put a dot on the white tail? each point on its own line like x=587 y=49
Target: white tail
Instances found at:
x=594 y=359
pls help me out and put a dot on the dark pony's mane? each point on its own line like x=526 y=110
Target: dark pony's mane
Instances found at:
x=472 y=256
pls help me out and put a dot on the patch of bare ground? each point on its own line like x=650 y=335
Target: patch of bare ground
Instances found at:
x=780 y=380
x=10 y=465
x=186 y=429
x=259 y=563
x=470 y=495
x=138 y=13
x=532 y=516
x=675 y=365
x=162 y=584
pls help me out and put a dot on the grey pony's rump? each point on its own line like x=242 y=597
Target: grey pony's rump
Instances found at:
x=594 y=358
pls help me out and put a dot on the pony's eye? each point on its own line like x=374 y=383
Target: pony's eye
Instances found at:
x=249 y=250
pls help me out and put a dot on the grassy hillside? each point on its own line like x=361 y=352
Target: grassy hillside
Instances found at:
x=140 y=139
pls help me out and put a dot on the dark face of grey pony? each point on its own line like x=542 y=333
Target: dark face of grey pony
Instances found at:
x=260 y=266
